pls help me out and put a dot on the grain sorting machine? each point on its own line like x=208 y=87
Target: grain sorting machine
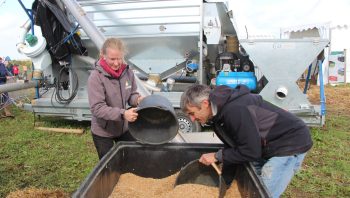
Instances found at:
x=171 y=43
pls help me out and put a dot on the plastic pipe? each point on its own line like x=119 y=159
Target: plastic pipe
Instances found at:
x=281 y=92
x=17 y=86
x=23 y=32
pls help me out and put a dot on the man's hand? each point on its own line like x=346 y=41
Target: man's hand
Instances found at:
x=208 y=158
x=130 y=115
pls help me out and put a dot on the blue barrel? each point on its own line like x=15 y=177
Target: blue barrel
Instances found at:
x=232 y=79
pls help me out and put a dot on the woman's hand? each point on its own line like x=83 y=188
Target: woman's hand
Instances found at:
x=139 y=99
x=130 y=115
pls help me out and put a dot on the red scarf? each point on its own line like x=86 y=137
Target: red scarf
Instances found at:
x=110 y=71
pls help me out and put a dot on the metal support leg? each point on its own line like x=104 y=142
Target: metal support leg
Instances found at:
x=322 y=94
x=307 y=79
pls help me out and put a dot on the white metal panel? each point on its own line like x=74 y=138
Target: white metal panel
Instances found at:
x=282 y=61
x=145 y=18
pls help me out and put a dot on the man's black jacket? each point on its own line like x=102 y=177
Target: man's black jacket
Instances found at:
x=252 y=128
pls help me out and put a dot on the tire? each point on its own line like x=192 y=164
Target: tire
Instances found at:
x=185 y=123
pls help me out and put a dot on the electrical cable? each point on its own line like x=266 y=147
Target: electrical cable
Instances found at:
x=58 y=91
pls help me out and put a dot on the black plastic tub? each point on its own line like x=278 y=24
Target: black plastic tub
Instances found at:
x=157 y=161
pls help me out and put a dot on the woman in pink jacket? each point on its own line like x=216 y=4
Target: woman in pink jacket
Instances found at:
x=111 y=87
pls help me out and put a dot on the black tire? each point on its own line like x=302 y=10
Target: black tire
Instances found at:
x=185 y=123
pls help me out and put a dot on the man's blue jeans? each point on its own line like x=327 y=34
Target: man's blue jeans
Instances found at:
x=277 y=172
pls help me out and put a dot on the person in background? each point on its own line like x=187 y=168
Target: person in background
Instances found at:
x=3 y=72
x=15 y=71
x=24 y=72
x=252 y=130
x=9 y=67
x=111 y=86
x=4 y=97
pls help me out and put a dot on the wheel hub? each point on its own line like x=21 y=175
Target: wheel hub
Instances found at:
x=185 y=125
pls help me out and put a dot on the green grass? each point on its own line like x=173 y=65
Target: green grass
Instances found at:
x=49 y=160
x=46 y=160
x=326 y=169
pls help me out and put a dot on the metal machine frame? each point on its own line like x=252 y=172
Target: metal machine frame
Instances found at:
x=162 y=38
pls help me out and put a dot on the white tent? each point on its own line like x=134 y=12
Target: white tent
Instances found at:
x=338 y=35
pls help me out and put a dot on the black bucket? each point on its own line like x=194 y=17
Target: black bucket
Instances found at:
x=198 y=173
x=156 y=123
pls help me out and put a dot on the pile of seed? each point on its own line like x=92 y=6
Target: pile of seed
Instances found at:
x=130 y=185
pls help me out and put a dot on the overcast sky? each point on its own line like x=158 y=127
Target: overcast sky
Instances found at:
x=267 y=17
x=261 y=17
x=12 y=16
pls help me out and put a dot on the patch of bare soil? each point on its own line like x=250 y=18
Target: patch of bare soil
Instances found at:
x=37 y=193
x=337 y=98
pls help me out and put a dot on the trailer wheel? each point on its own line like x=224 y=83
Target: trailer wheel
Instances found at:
x=185 y=123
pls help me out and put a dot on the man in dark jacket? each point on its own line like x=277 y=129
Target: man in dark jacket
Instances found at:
x=4 y=97
x=252 y=130
x=3 y=73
